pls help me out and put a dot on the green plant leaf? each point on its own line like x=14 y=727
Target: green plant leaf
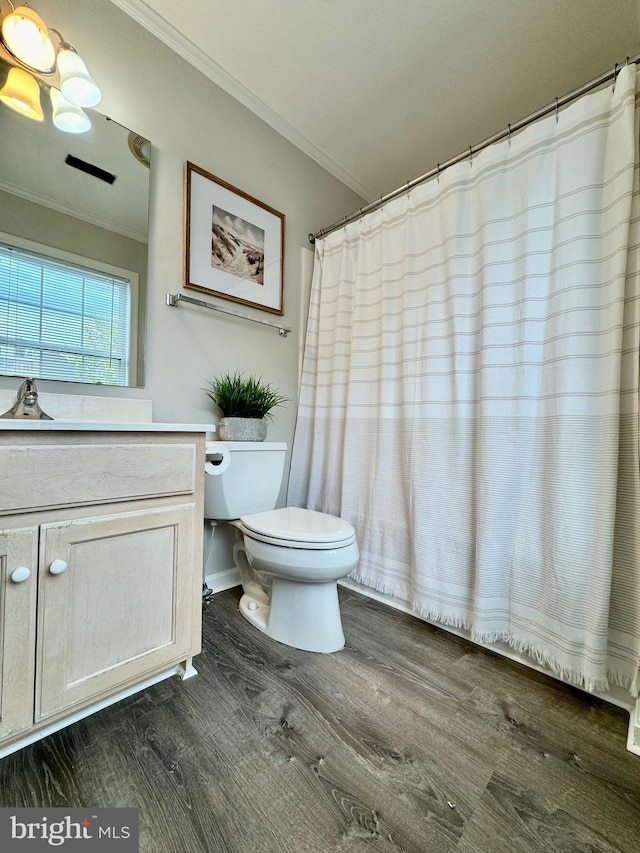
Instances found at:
x=238 y=396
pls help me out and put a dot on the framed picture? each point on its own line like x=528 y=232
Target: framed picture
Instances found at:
x=234 y=244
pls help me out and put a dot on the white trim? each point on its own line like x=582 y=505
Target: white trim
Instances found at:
x=54 y=204
x=32 y=737
x=616 y=696
x=141 y=12
x=633 y=738
x=220 y=581
x=186 y=669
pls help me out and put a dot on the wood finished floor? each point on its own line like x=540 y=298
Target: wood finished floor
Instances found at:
x=409 y=739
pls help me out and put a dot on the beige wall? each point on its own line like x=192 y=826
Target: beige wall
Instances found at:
x=152 y=90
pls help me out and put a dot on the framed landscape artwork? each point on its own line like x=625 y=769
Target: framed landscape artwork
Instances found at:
x=234 y=244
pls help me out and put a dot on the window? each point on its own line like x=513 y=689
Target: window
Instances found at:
x=61 y=319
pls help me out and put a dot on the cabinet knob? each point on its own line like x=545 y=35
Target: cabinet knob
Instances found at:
x=21 y=574
x=57 y=567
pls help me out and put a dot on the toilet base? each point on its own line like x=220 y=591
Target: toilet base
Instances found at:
x=302 y=615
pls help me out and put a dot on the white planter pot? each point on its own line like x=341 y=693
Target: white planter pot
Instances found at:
x=242 y=429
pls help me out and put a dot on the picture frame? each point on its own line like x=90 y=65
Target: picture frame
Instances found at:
x=234 y=243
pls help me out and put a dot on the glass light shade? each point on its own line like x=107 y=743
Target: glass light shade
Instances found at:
x=76 y=83
x=68 y=117
x=25 y=34
x=21 y=93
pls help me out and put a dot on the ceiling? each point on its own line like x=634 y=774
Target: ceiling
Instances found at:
x=380 y=92
x=33 y=166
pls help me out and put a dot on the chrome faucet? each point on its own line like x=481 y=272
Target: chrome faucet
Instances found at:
x=26 y=404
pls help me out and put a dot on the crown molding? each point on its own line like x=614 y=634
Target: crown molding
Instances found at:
x=72 y=210
x=145 y=15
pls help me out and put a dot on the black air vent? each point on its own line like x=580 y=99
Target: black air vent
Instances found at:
x=89 y=168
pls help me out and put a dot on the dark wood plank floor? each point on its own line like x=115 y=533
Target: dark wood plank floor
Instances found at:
x=409 y=739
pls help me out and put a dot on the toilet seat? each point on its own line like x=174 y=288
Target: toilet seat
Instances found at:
x=294 y=527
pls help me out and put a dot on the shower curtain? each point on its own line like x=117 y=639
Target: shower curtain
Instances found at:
x=469 y=397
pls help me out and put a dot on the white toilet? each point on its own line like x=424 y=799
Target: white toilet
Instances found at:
x=289 y=559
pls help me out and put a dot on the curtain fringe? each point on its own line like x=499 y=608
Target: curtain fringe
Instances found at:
x=441 y=438
x=568 y=675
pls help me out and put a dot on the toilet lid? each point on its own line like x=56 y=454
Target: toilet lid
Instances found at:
x=301 y=526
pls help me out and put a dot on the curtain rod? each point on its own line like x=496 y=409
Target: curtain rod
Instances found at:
x=473 y=149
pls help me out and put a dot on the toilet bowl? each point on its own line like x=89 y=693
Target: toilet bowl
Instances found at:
x=289 y=559
x=303 y=554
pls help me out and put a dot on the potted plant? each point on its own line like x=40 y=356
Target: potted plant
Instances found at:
x=245 y=403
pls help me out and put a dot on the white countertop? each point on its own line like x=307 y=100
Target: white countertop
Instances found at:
x=102 y=426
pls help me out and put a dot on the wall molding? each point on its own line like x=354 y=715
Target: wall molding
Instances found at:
x=616 y=695
x=69 y=210
x=147 y=17
x=220 y=581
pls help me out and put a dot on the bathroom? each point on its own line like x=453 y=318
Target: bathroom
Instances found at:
x=148 y=87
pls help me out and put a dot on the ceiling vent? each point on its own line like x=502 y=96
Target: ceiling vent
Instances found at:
x=89 y=169
x=140 y=148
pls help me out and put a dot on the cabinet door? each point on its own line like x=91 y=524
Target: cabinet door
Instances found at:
x=18 y=584
x=120 y=609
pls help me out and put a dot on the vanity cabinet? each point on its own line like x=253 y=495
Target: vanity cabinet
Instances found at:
x=18 y=550
x=100 y=569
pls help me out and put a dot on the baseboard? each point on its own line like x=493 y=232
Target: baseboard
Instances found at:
x=616 y=696
x=223 y=580
x=633 y=740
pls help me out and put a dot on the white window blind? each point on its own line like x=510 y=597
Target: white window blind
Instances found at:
x=60 y=320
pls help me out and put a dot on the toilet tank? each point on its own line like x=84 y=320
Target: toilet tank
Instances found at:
x=242 y=477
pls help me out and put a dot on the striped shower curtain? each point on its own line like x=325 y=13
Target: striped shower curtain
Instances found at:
x=469 y=397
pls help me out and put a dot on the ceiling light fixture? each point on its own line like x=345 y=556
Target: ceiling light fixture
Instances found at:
x=76 y=83
x=26 y=37
x=21 y=93
x=28 y=47
x=67 y=116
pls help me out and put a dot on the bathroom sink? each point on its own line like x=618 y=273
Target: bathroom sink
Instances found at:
x=83 y=412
